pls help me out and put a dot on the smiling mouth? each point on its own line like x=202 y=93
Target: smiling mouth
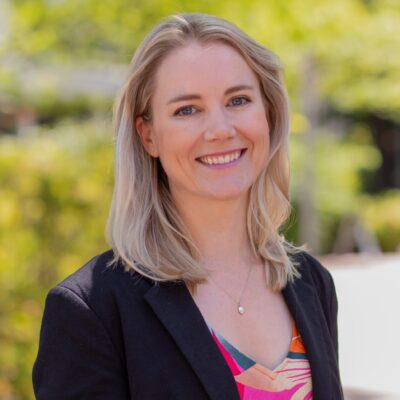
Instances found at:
x=225 y=159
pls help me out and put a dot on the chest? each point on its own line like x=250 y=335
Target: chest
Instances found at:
x=168 y=333
x=263 y=333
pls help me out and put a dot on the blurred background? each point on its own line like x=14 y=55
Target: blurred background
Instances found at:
x=61 y=64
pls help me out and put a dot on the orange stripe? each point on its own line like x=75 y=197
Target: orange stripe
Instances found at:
x=297 y=345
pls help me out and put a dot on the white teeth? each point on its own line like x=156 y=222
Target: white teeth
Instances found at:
x=221 y=159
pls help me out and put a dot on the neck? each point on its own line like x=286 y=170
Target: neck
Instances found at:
x=219 y=230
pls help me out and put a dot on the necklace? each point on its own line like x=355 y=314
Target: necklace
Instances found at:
x=240 y=308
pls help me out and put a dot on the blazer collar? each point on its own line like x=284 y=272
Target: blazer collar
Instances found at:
x=304 y=305
x=177 y=311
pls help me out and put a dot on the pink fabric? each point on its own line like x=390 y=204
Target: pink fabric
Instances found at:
x=290 y=380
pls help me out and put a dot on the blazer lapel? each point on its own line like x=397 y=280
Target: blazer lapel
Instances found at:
x=304 y=306
x=176 y=309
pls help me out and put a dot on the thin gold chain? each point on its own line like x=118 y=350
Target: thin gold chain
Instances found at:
x=240 y=307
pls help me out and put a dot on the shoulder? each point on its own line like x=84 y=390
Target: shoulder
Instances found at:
x=100 y=273
x=314 y=273
x=97 y=299
x=100 y=285
x=311 y=265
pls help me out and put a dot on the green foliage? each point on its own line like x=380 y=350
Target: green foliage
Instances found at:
x=82 y=29
x=52 y=108
x=55 y=193
x=381 y=215
x=354 y=42
x=337 y=181
x=335 y=170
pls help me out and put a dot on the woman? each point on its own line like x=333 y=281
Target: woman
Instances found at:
x=200 y=297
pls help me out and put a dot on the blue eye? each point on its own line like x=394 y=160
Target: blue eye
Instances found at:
x=184 y=111
x=239 y=101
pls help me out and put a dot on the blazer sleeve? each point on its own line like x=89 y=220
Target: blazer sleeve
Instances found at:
x=333 y=316
x=76 y=358
x=325 y=287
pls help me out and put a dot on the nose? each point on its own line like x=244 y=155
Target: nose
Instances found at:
x=219 y=126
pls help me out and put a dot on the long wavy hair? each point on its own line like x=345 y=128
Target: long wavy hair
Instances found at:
x=144 y=227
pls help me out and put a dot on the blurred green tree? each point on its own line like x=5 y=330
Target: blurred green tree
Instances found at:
x=353 y=41
x=55 y=191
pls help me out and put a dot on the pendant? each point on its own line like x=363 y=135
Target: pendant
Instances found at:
x=241 y=309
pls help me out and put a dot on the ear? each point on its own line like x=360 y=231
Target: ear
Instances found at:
x=146 y=134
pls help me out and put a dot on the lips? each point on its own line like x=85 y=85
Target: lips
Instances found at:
x=221 y=159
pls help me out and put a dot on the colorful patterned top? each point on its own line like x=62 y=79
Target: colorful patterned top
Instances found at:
x=290 y=380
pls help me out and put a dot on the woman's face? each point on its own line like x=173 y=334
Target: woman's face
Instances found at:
x=209 y=126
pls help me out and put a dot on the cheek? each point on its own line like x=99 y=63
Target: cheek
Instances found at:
x=174 y=151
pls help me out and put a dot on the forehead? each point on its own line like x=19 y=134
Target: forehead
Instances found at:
x=201 y=67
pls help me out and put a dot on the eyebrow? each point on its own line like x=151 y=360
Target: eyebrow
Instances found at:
x=197 y=96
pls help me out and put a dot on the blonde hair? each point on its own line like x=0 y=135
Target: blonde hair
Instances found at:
x=144 y=226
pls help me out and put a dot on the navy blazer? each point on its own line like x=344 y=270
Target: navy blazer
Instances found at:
x=108 y=334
